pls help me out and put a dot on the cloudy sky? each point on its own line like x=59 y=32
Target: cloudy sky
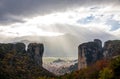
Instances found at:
x=41 y=17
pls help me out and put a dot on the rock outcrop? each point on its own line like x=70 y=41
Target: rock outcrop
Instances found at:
x=10 y=47
x=89 y=53
x=35 y=52
x=17 y=63
x=111 y=48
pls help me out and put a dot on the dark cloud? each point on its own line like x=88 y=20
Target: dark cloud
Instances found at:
x=29 y=8
x=8 y=20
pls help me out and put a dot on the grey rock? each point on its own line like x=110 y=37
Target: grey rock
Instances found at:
x=89 y=53
x=35 y=51
x=17 y=47
x=111 y=48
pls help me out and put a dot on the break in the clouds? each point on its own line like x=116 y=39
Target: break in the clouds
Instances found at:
x=35 y=15
x=114 y=24
x=69 y=22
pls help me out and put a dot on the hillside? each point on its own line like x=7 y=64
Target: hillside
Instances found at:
x=17 y=63
x=102 y=69
x=104 y=64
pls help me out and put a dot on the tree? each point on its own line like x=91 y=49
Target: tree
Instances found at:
x=115 y=65
x=106 y=73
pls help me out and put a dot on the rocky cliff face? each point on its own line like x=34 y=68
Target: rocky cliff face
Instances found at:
x=10 y=47
x=35 y=52
x=89 y=53
x=17 y=63
x=111 y=48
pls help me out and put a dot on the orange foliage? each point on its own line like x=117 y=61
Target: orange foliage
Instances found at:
x=101 y=64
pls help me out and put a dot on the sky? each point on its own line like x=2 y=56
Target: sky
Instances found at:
x=20 y=18
x=28 y=17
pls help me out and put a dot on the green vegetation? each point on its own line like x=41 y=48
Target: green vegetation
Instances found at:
x=18 y=65
x=102 y=69
x=106 y=73
x=15 y=65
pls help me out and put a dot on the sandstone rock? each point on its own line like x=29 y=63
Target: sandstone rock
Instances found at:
x=89 y=53
x=10 y=47
x=15 y=62
x=20 y=47
x=35 y=52
x=111 y=48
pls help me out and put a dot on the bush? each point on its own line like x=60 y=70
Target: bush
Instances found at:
x=106 y=73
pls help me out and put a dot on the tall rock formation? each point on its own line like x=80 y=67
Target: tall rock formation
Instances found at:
x=16 y=62
x=35 y=52
x=89 y=53
x=19 y=47
x=111 y=48
x=10 y=47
